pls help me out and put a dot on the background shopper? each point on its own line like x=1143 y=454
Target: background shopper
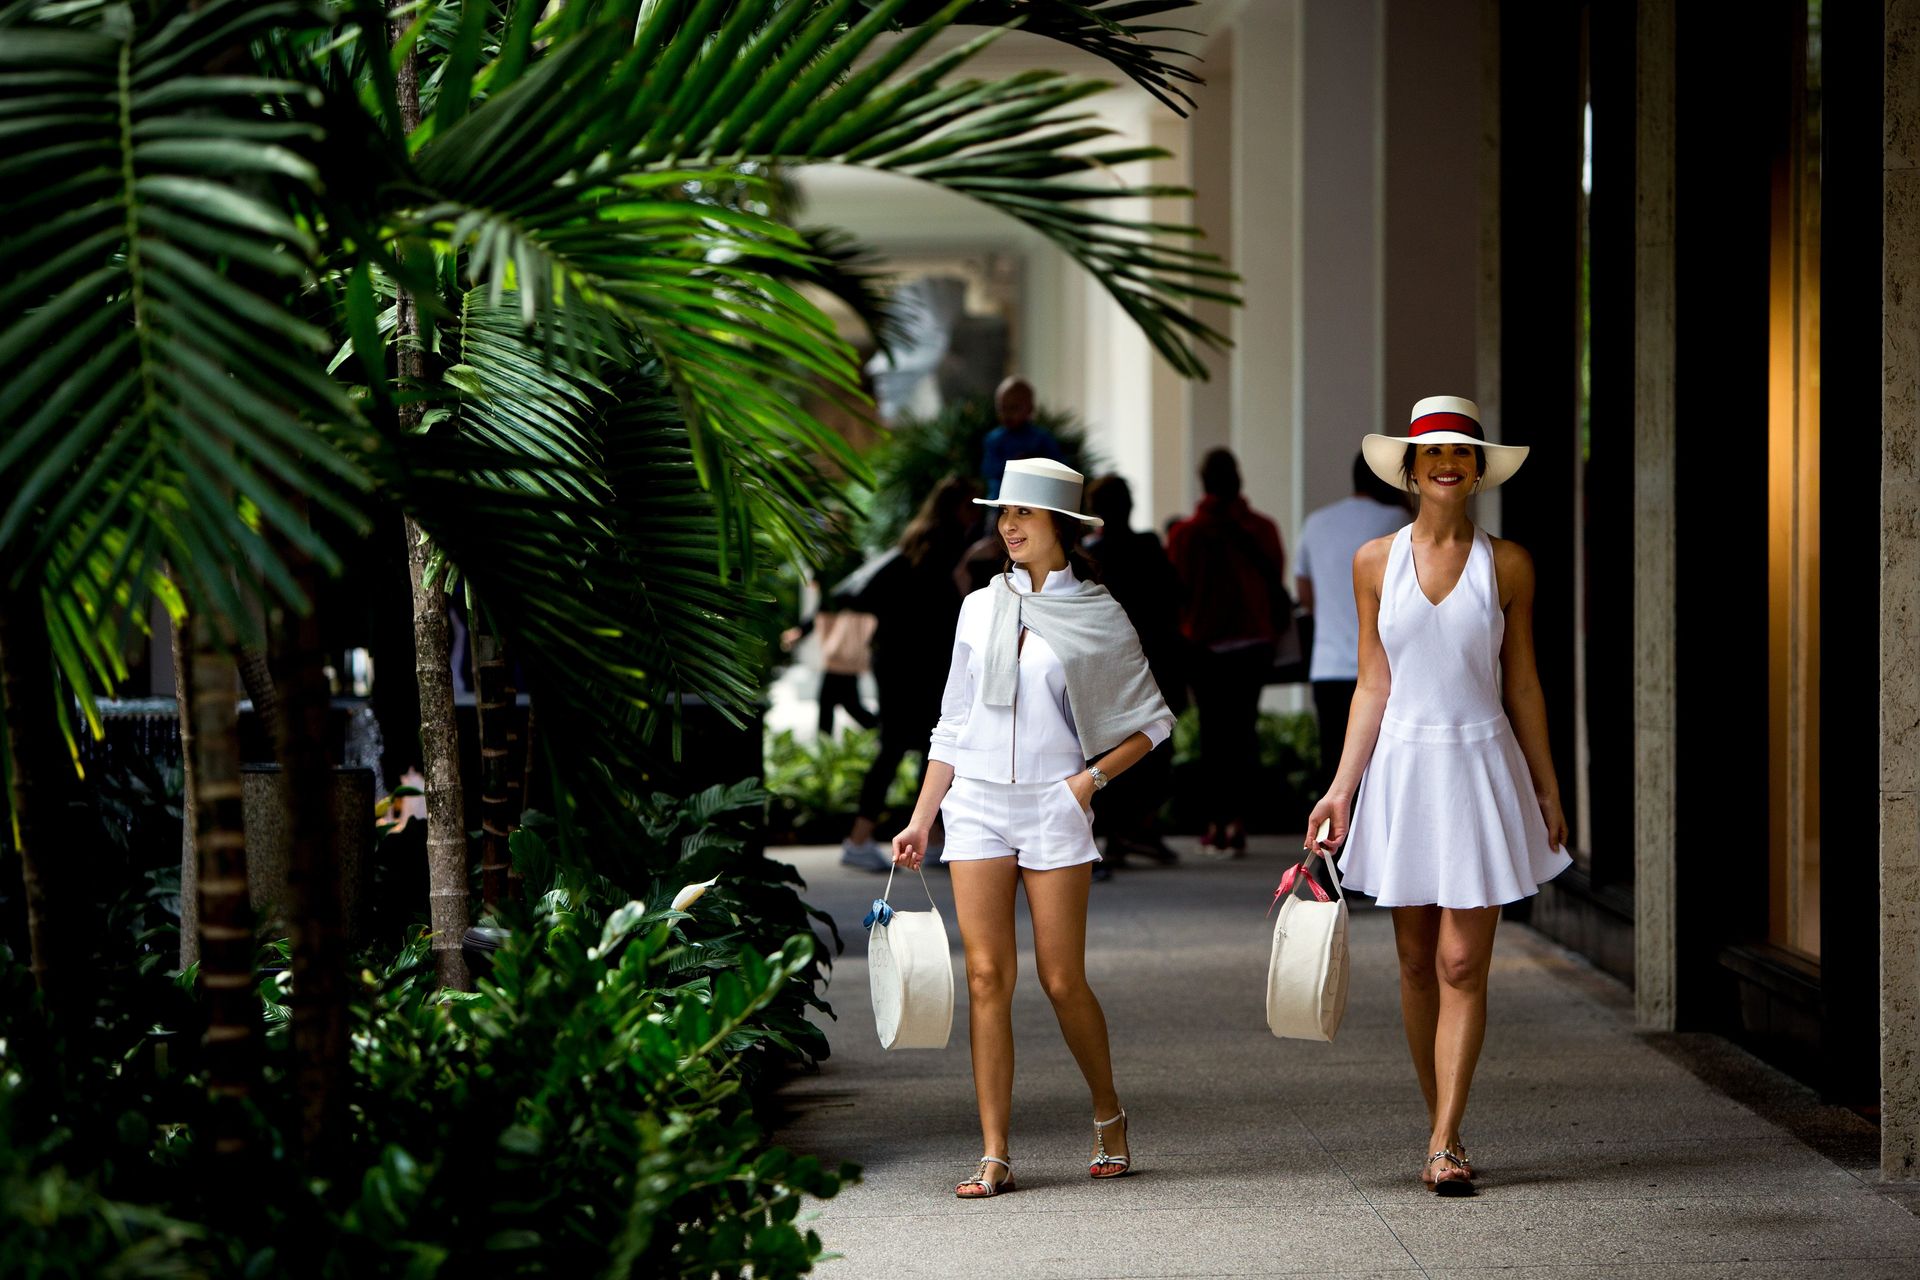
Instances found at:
x=1323 y=586
x=1231 y=566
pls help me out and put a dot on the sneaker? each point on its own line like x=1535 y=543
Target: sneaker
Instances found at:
x=866 y=856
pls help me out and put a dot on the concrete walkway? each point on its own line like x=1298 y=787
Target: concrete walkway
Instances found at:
x=1601 y=1152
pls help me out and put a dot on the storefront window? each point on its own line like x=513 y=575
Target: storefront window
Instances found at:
x=1793 y=512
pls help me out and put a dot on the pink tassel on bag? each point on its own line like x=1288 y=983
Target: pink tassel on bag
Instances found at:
x=1287 y=882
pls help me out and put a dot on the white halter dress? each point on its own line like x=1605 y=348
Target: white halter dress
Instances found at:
x=1446 y=812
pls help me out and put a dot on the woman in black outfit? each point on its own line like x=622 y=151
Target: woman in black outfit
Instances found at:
x=1134 y=567
x=916 y=600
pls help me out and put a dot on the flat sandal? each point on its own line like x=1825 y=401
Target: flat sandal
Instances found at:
x=1449 y=1182
x=986 y=1188
x=1103 y=1165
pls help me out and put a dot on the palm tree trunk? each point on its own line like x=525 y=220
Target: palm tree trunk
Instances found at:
x=189 y=808
x=256 y=677
x=432 y=665
x=38 y=786
x=440 y=762
x=316 y=909
x=494 y=702
x=226 y=916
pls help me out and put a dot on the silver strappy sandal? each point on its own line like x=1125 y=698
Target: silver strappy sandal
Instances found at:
x=1103 y=1165
x=979 y=1187
x=1455 y=1181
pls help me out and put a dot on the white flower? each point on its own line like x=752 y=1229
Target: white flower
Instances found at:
x=692 y=893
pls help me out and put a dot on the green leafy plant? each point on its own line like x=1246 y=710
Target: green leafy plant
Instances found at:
x=1289 y=761
x=816 y=785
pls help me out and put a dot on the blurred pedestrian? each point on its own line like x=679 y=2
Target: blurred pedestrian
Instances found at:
x=1134 y=567
x=1018 y=435
x=1323 y=586
x=844 y=638
x=1232 y=572
x=1446 y=784
x=1047 y=698
x=915 y=603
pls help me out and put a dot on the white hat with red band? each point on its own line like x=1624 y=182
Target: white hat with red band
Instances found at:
x=1442 y=420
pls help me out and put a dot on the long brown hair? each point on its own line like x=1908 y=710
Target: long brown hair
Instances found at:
x=944 y=508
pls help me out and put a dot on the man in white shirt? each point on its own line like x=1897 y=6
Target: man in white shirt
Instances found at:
x=1323 y=585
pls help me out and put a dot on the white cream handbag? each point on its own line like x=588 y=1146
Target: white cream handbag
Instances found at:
x=910 y=971
x=1307 y=972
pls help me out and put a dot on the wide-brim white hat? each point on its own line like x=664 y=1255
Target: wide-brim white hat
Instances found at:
x=1042 y=483
x=1442 y=420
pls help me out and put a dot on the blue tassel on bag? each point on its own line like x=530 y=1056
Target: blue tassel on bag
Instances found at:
x=880 y=913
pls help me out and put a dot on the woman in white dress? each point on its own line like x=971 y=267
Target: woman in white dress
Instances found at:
x=1048 y=697
x=1445 y=798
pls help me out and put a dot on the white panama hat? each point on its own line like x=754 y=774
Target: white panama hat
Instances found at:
x=1045 y=484
x=1442 y=420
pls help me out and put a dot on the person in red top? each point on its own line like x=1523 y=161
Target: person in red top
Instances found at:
x=1231 y=565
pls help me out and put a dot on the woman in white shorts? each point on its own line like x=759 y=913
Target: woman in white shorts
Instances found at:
x=1047 y=676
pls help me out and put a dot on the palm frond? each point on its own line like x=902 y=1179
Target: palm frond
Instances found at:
x=163 y=400
x=784 y=96
x=1108 y=29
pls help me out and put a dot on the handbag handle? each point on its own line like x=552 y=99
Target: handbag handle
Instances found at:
x=1333 y=872
x=881 y=912
x=1293 y=873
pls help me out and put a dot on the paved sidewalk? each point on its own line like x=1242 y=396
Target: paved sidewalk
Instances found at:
x=1601 y=1154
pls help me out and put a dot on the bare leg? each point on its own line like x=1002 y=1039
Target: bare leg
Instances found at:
x=1464 y=955
x=983 y=901
x=1416 y=934
x=862 y=830
x=1058 y=900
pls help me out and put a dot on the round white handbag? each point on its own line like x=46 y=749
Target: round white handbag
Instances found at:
x=1307 y=971
x=910 y=971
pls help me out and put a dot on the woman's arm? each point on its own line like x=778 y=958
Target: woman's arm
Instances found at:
x=1369 y=698
x=1520 y=684
x=1113 y=764
x=956 y=707
x=910 y=846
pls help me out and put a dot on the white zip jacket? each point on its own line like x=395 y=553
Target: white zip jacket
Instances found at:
x=1034 y=740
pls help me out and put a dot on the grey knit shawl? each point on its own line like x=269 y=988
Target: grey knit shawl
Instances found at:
x=1109 y=689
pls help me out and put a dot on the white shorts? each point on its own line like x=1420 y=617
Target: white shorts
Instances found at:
x=1040 y=823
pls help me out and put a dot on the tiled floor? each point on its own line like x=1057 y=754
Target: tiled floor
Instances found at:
x=1602 y=1154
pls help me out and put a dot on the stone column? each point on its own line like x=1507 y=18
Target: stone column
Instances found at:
x=1210 y=155
x=1341 y=153
x=1486 y=308
x=1656 y=958
x=1162 y=485
x=1266 y=251
x=1431 y=193
x=1900 y=603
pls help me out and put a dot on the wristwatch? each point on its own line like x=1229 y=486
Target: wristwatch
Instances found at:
x=1100 y=779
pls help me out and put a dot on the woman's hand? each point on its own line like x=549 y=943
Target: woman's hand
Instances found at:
x=910 y=846
x=1556 y=819
x=1333 y=807
x=1081 y=784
